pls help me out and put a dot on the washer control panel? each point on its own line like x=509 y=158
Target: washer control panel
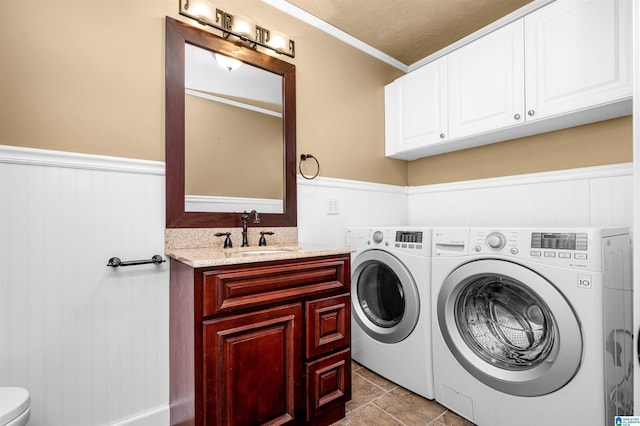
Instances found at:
x=559 y=240
x=558 y=247
x=563 y=247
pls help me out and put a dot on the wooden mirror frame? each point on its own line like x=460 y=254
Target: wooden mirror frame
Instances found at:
x=177 y=35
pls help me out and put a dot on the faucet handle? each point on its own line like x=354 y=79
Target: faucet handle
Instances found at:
x=227 y=241
x=263 y=240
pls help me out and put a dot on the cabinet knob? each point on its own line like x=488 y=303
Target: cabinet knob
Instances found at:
x=441 y=135
x=531 y=113
x=517 y=116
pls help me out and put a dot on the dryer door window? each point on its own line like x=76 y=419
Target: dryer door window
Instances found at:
x=380 y=295
x=509 y=327
x=385 y=297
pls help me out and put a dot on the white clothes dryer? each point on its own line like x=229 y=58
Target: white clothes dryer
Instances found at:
x=533 y=326
x=391 y=306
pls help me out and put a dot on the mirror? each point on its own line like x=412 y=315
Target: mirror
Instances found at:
x=221 y=97
x=230 y=138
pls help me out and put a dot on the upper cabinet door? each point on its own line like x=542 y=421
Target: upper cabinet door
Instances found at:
x=418 y=105
x=577 y=55
x=486 y=83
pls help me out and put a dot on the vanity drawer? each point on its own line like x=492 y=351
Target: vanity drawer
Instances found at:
x=329 y=385
x=236 y=289
x=328 y=324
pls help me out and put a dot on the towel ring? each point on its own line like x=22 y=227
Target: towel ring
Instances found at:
x=303 y=157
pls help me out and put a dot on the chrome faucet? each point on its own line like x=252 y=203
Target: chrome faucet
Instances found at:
x=245 y=221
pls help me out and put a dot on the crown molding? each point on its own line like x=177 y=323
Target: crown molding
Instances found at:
x=318 y=23
x=505 y=20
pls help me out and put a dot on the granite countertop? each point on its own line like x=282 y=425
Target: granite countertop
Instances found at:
x=214 y=256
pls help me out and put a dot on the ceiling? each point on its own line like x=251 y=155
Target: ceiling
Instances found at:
x=409 y=30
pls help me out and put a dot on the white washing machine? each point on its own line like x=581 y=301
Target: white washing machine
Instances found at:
x=391 y=306
x=533 y=326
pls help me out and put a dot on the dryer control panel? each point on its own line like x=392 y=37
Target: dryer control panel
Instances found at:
x=406 y=240
x=411 y=241
x=409 y=237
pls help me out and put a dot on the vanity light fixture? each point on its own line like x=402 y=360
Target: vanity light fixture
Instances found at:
x=202 y=11
x=237 y=27
x=279 y=41
x=243 y=26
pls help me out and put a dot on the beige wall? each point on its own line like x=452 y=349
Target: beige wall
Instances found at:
x=89 y=77
x=606 y=142
x=83 y=76
x=225 y=157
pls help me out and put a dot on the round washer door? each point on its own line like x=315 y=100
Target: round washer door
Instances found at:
x=385 y=299
x=509 y=327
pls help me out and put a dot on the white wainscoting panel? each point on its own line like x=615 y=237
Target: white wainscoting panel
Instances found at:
x=611 y=201
x=327 y=207
x=591 y=196
x=89 y=342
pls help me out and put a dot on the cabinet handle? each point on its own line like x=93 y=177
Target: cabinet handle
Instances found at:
x=531 y=113
x=441 y=135
x=517 y=116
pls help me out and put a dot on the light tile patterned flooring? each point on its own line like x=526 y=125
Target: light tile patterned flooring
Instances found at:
x=376 y=401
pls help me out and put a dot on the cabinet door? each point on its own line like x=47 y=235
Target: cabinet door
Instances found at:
x=578 y=55
x=486 y=83
x=419 y=106
x=253 y=368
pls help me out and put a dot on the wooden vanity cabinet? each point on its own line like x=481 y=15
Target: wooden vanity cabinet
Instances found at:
x=260 y=343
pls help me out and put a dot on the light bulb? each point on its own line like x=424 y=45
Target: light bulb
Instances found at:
x=278 y=41
x=202 y=10
x=244 y=26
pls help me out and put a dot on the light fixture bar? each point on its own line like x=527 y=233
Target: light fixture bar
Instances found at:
x=223 y=22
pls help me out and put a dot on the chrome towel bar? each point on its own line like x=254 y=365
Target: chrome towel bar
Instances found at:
x=115 y=261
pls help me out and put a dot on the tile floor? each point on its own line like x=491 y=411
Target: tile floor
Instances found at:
x=376 y=401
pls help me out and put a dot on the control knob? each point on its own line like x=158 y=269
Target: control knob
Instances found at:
x=496 y=240
x=378 y=237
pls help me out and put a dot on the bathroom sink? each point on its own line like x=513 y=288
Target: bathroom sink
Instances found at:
x=264 y=251
x=251 y=251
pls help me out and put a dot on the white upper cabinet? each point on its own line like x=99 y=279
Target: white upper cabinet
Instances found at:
x=416 y=105
x=565 y=64
x=577 y=54
x=486 y=83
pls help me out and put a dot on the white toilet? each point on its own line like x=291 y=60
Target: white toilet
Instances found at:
x=15 y=406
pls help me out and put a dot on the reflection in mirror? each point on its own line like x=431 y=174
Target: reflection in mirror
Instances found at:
x=227 y=138
x=233 y=135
